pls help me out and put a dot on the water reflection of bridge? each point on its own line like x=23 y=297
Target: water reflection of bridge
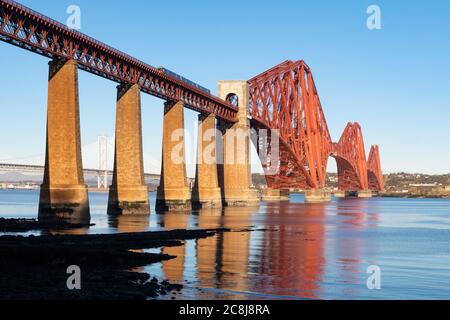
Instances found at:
x=287 y=258
x=289 y=254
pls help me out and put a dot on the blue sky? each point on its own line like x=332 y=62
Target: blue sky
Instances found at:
x=395 y=81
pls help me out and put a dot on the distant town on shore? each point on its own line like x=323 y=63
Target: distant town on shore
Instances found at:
x=413 y=185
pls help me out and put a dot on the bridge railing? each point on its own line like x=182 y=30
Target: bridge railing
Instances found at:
x=26 y=28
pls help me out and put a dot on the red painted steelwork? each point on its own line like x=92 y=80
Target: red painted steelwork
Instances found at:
x=285 y=99
x=351 y=159
x=375 y=174
x=33 y=31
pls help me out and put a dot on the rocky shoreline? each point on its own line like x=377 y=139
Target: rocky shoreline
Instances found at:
x=23 y=225
x=35 y=267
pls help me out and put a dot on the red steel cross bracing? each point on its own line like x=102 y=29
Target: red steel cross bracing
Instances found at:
x=285 y=98
x=375 y=175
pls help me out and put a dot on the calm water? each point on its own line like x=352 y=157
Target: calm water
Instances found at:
x=295 y=250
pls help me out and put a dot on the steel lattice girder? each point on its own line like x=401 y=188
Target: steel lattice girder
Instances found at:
x=351 y=159
x=33 y=31
x=285 y=98
x=375 y=174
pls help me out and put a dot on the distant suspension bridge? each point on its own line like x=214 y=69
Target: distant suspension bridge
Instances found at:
x=102 y=175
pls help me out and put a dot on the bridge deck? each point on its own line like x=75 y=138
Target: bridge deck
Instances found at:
x=7 y=167
x=30 y=30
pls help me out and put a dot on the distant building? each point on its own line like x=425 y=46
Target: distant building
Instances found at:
x=420 y=185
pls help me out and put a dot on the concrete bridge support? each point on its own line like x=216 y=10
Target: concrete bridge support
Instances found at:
x=317 y=196
x=340 y=194
x=353 y=194
x=63 y=193
x=235 y=173
x=269 y=195
x=364 y=194
x=206 y=192
x=128 y=193
x=173 y=192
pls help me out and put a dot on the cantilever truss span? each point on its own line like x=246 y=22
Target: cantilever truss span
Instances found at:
x=285 y=98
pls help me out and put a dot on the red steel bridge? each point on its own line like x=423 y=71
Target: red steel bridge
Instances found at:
x=284 y=98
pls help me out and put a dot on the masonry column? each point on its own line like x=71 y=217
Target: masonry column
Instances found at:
x=236 y=177
x=128 y=193
x=206 y=192
x=340 y=194
x=317 y=196
x=364 y=194
x=63 y=192
x=173 y=192
x=269 y=194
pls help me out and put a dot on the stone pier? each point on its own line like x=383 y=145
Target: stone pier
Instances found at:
x=235 y=177
x=63 y=193
x=206 y=192
x=128 y=193
x=269 y=195
x=340 y=194
x=173 y=192
x=364 y=194
x=317 y=196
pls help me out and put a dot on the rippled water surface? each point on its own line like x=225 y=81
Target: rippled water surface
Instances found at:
x=294 y=251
